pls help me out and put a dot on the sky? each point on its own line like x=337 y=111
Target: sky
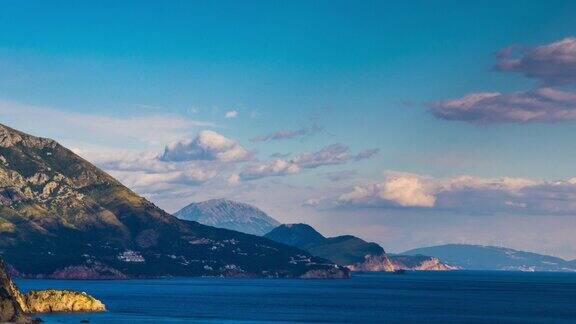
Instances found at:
x=408 y=124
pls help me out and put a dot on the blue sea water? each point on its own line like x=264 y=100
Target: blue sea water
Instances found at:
x=416 y=297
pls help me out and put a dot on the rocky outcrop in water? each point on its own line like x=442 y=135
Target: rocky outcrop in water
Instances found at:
x=390 y=263
x=16 y=307
x=49 y=301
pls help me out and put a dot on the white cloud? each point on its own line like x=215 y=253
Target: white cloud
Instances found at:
x=231 y=114
x=465 y=193
x=207 y=146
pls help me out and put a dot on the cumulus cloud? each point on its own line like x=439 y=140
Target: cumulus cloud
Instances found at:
x=287 y=134
x=553 y=64
x=402 y=189
x=146 y=174
x=539 y=105
x=465 y=194
x=231 y=114
x=206 y=146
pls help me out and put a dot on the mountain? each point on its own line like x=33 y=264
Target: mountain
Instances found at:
x=478 y=257
x=343 y=250
x=299 y=235
x=229 y=214
x=351 y=251
x=62 y=217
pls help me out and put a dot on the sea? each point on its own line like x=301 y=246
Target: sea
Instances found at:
x=413 y=297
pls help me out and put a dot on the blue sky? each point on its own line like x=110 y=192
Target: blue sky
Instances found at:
x=123 y=80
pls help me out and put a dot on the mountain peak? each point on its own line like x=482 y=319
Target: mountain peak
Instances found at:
x=229 y=214
x=10 y=137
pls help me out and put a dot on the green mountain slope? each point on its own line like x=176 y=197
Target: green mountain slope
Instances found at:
x=351 y=251
x=346 y=249
x=60 y=216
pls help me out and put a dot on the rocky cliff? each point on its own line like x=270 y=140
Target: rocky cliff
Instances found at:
x=48 y=301
x=11 y=301
x=399 y=262
x=62 y=217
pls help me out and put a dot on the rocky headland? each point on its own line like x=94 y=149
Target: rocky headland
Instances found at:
x=399 y=262
x=16 y=307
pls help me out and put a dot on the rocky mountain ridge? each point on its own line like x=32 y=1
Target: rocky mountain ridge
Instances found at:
x=230 y=215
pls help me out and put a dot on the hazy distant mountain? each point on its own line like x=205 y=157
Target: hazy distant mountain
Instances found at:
x=349 y=250
x=230 y=215
x=62 y=217
x=477 y=257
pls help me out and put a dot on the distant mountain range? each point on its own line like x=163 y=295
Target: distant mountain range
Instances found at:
x=478 y=257
x=62 y=217
x=350 y=251
x=229 y=214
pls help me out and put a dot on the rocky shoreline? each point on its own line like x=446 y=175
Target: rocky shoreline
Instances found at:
x=16 y=307
x=390 y=263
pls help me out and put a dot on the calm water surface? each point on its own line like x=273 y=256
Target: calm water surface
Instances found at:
x=439 y=297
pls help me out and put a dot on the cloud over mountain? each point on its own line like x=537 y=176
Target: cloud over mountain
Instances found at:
x=206 y=146
x=334 y=154
x=465 y=194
